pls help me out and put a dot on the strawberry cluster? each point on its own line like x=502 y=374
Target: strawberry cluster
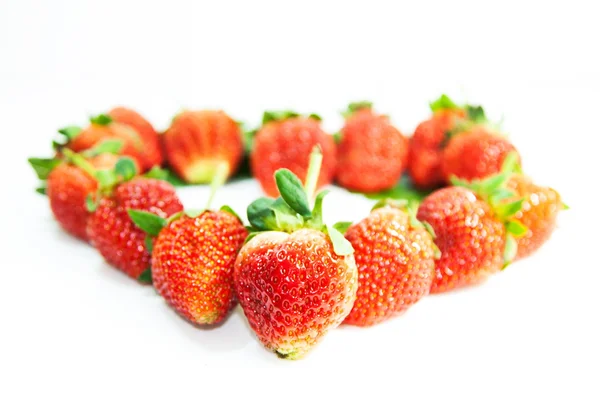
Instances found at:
x=472 y=212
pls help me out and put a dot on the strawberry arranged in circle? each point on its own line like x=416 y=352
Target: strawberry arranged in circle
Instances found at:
x=286 y=140
x=372 y=153
x=110 y=228
x=428 y=141
x=295 y=278
x=151 y=151
x=71 y=179
x=395 y=256
x=193 y=254
x=200 y=143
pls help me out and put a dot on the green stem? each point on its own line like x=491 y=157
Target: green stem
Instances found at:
x=221 y=173
x=79 y=161
x=312 y=176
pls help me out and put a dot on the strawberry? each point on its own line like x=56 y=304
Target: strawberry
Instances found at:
x=192 y=258
x=395 y=258
x=476 y=153
x=101 y=128
x=199 y=143
x=428 y=141
x=285 y=141
x=69 y=181
x=151 y=152
x=470 y=238
x=295 y=278
x=109 y=227
x=372 y=153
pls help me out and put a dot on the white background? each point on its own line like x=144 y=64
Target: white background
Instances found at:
x=73 y=328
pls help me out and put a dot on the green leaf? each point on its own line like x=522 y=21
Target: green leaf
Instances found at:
x=193 y=213
x=43 y=167
x=356 y=106
x=443 y=103
x=260 y=215
x=511 y=163
x=507 y=210
x=475 y=113
x=269 y=116
x=403 y=190
x=148 y=222
x=148 y=244
x=250 y=236
x=291 y=190
x=70 y=132
x=90 y=203
x=516 y=228
x=125 y=168
x=342 y=226
x=337 y=137
x=341 y=246
x=315 y=116
x=101 y=119
x=488 y=186
x=429 y=229
x=397 y=203
x=146 y=276
x=510 y=250
x=287 y=219
x=317 y=212
x=41 y=190
x=106 y=178
x=501 y=194
x=565 y=206
x=157 y=173
x=113 y=146
x=248 y=139
x=232 y=212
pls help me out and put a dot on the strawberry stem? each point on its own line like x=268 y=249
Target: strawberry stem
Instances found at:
x=80 y=162
x=221 y=173
x=312 y=176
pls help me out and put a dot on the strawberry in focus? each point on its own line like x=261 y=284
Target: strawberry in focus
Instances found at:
x=286 y=140
x=372 y=153
x=110 y=228
x=295 y=278
x=395 y=256
x=198 y=142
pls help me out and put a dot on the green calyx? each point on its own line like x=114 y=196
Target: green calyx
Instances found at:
x=68 y=134
x=357 y=106
x=101 y=119
x=292 y=211
x=269 y=116
x=125 y=169
x=443 y=103
x=504 y=202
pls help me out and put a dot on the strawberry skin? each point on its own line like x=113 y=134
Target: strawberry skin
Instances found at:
x=113 y=233
x=288 y=144
x=468 y=235
x=198 y=142
x=150 y=153
x=372 y=153
x=293 y=288
x=395 y=265
x=540 y=209
x=192 y=265
x=475 y=154
x=426 y=145
x=68 y=187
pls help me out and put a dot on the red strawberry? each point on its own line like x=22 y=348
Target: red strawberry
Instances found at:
x=470 y=237
x=294 y=286
x=151 y=152
x=199 y=143
x=192 y=261
x=539 y=212
x=395 y=258
x=70 y=180
x=285 y=141
x=372 y=153
x=111 y=230
x=428 y=141
x=475 y=154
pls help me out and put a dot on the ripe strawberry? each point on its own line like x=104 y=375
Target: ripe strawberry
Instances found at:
x=428 y=141
x=199 y=143
x=395 y=256
x=475 y=154
x=372 y=153
x=69 y=181
x=470 y=237
x=286 y=140
x=102 y=128
x=111 y=230
x=294 y=286
x=192 y=260
x=151 y=151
